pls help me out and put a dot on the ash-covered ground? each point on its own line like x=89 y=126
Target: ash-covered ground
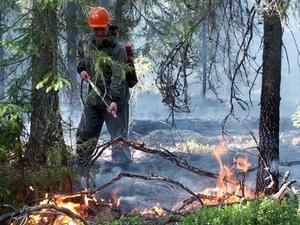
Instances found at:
x=195 y=141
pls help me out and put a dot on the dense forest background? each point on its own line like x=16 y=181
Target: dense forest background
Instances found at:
x=242 y=57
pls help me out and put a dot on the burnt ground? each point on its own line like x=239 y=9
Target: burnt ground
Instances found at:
x=194 y=141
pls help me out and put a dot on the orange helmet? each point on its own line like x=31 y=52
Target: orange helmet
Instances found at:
x=98 y=17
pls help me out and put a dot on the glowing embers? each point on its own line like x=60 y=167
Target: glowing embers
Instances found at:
x=59 y=209
x=156 y=211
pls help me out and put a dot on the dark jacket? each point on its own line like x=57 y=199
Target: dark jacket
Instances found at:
x=108 y=75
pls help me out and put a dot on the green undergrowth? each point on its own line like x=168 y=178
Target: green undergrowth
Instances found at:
x=132 y=220
x=259 y=212
x=20 y=187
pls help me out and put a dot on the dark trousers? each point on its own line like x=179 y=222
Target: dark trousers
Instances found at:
x=90 y=127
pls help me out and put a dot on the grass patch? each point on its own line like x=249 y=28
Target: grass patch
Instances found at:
x=193 y=146
x=260 y=212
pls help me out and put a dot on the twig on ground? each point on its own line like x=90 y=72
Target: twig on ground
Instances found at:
x=158 y=178
x=192 y=199
x=283 y=190
x=164 y=154
x=285 y=178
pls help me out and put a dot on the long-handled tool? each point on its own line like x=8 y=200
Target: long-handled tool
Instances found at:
x=97 y=92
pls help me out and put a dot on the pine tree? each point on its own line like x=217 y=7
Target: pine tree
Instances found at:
x=45 y=128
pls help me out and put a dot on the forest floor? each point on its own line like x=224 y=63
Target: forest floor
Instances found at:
x=195 y=141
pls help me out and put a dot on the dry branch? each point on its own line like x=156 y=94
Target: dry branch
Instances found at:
x=285 y=186
x=164 y=154
x=25 y=211
x=192 y=199
x=285 y=178
x=283 y=190
x=158 y=178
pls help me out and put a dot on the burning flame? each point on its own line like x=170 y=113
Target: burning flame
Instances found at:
x=228 y=187
x=115 y=201
x=242 y=163
x=156 y=211
x=76 y=203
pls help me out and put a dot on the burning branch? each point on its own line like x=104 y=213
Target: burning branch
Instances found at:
x=24 y=212
x=215 y=198
x=158 y=178
x=229 y=187
x=96 y=154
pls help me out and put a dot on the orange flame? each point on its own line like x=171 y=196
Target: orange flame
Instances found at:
x=242 y=163
x=156 y=211
x=228 y=187
x=114 y=199
x=77 y=203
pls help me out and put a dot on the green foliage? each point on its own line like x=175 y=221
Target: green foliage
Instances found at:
x=259 y=212
x=22 y=43
x=11 y=116
x=11 y=125
x=102 y=60
x=58 y=154
x=53 y=3
x=19 y=186
x=133 y=220
x=7 y=184
x=17 y=91
x=281 y=213
x=54 y=82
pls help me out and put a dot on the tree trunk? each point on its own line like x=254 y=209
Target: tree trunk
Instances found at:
x=270 y=102
x=46 y=129
x=120 y=19
x=71 y=32
x=2 y=68
x=203 y=46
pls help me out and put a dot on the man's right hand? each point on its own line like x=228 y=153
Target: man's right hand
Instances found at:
x=85 y=76
x=112 y=109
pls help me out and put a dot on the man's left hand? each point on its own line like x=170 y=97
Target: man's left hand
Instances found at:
x=112 y=109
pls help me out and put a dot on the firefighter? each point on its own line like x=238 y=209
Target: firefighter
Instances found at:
x=101 y=62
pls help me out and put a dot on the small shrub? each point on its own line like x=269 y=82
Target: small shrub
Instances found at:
x=259 y=212
x=193 y=145
x=11 y=125
x=133 y=220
